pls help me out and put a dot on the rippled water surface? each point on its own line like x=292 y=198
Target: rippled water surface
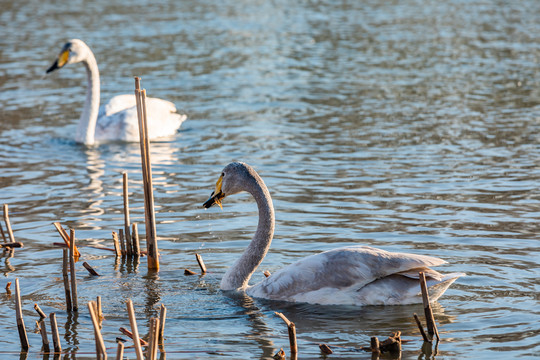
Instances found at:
x=406 y=125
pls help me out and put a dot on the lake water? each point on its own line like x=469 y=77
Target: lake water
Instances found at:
x=407 y=125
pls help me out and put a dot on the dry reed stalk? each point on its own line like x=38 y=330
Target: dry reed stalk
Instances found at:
x=421 y=328
x=117 y=250
x=90 y=269
x=375 y=348
x=134 y=330
x=101 y=352
x=150 y=221
x=64 y=235
x=135 y=240
x=55 y=335
x=430 y=320
x=127 y=224
x=39 y=311
x=280 y=355
x=325 y=349
x=201 y=263
x=11 y=245
x=8 y=224
x=122 y=242
x=67 y=290
x=99 y=311
x=120 y=351
x=156 y=338
x=292 y=332
x=189 y=272
x=20 y=322
x=2 y=233
x=74 y=301
x=392 y=344
x=162 y=317
x=129 y=334
x=44 y=339
x=152 y=335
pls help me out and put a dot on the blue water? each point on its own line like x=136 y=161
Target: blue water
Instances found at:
x=410 y=126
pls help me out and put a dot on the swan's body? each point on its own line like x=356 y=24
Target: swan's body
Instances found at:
x=356 y=275
x=116 y=120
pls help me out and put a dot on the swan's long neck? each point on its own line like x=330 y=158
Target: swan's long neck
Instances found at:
x=237 y=277
x=87 y=124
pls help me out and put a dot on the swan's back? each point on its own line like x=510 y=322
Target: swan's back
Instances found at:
x=117 y=120
x=342 y=276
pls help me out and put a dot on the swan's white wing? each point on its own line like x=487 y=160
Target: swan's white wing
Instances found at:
x=117 y=120
x=335 y=276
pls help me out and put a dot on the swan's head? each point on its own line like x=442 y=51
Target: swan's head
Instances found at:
x=234 y=178
x=73 y=51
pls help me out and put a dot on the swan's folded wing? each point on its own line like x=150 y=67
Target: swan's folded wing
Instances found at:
x=339 y=270
x=117 y=119
x=116 y=104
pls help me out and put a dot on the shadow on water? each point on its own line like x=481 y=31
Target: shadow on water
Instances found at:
x=260 y=331
x=71 y=334
x=153 y=292
x=127 y=264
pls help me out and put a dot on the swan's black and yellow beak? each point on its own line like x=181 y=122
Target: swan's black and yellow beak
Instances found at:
x=216 y=196
x=60 y=61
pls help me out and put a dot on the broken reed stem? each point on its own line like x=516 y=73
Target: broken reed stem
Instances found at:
x=66 y=279
x=375 y=347
x=20 y=322
x=99 y=311
x=162 y=317
x=126 y=210
x=74 y=301
x=421 y=328
x=151 y=353
x=101 y=352
x=11 y=245
x=134 y=330
x=135 y=239
x=8 y=224
x=64 y=235
x=44 y=339
x=292 y=333
x=117 y=250
x=151 y=240
x=430 y=320
x=120 y=351
x=325 y=349
x=156 y=338
x=55 y=335
x=122 y=242
x=201 y=263
x=39 y=311
x=2 y=233
x=90 y=269
x=129 y=334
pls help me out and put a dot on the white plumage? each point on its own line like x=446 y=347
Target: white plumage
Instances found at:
x=117 y=119
x=355 y=275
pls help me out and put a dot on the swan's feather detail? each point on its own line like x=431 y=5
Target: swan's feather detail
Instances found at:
x=117 y=120
x=349 y=275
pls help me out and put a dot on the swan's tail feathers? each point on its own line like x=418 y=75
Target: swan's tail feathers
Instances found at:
x=437 y=287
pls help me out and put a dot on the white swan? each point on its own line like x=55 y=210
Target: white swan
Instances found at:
x=116 y=120
x=356 y=275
